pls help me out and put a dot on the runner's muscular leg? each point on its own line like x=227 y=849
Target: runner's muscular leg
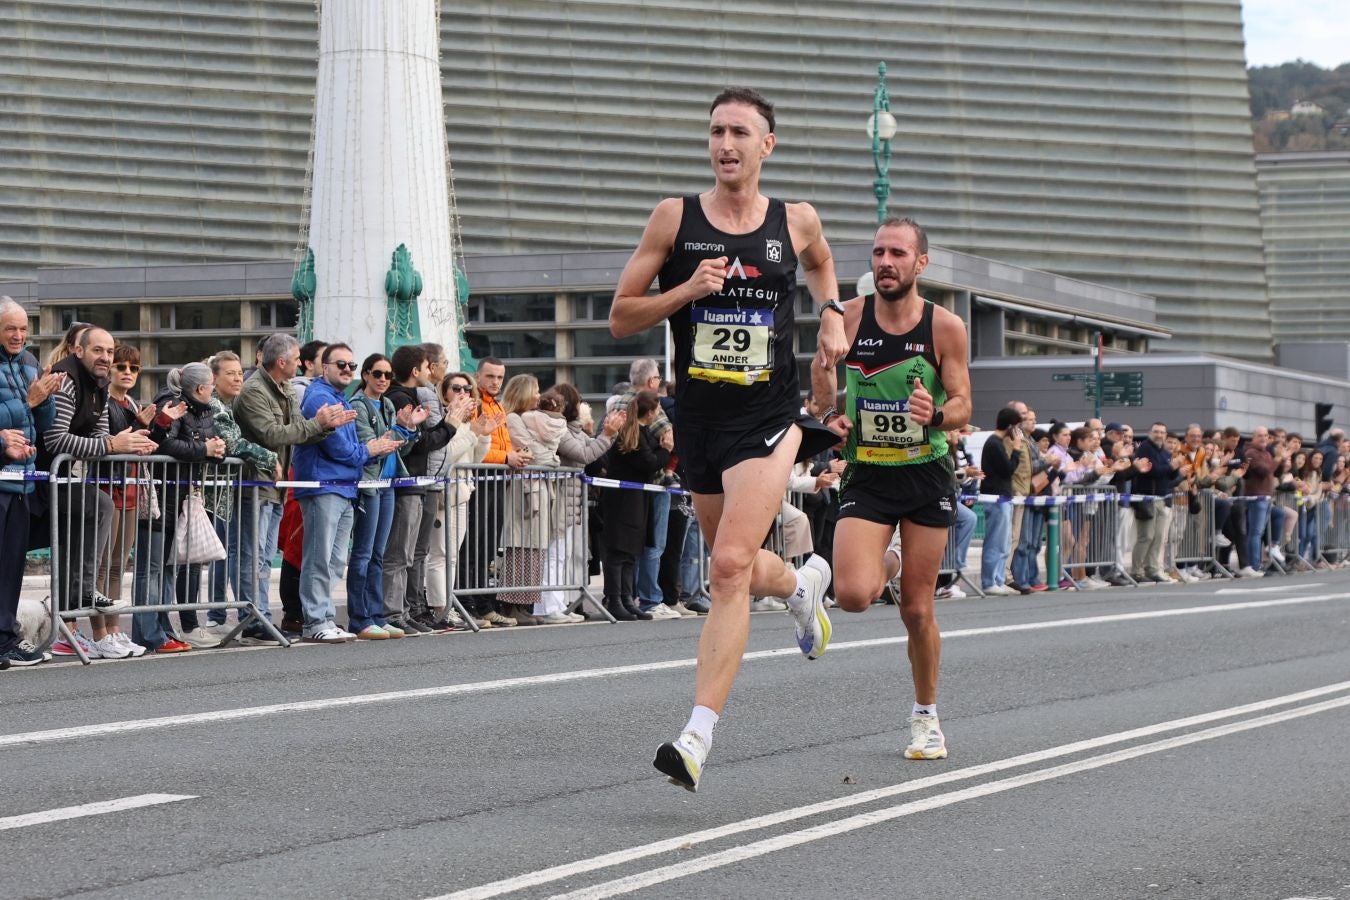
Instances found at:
x=921 y=547
x=735 y=525
x=859 y=562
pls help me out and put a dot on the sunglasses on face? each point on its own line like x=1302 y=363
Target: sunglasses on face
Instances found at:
x=382 y=374
x=459 y=388
x=344 y=366
x=127 y=367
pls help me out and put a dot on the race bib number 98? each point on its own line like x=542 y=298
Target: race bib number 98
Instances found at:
x=734 y=346
x=887 y=434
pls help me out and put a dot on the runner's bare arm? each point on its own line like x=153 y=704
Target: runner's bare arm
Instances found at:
x=949 y=338
x=813 y=252
x=825 y=378
x=633 y=310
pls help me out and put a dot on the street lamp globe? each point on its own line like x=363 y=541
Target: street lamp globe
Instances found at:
x=882 y=125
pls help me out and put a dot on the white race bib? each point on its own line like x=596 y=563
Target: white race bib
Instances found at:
x=731 y=345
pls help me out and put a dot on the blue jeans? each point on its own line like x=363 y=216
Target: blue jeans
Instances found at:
x=1307 y=532
x=1258 y=512
x=964 y=529
x=328 y=527
x=1025 y=571
x=365 y=569
x=269 y=528
x=649 y=562
x=153 y=586
x=240 y=536
x=997 y=531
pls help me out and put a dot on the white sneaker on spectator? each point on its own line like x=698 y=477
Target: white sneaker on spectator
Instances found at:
x=554 y=619
x=219 y=630
x=766 y=604
x=1277 y=554
x=134 y=648
x=1221 y=540
x=1249 y=572
x=200 y=639
x=110 y=648
x=1001 y=590
x=684 y=611
x=329 y=634
x=575 y=617
x=662 y=611
x=1186 y=576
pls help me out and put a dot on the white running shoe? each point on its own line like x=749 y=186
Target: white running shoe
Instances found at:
x=661 y=611
x=808 y=607
x=329 y=634
x=1001 y=590
x=134 y=648
x=761 y=604
x=1096 y=584
x=1249 y=572
x=200 y=639
x=926 y=740
x=1277 y=553
x=681 y=760
x=110 y=648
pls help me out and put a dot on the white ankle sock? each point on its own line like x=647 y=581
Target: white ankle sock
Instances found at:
x=799 y=597
x=702 y=721
x=924 y=709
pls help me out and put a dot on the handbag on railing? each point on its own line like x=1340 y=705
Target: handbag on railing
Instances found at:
x=195 y=540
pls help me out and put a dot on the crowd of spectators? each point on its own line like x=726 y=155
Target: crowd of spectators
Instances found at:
x=373 y=449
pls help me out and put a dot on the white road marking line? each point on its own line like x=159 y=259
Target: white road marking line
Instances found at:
x=1265 y=590
x=90 y=809
x=866 y=820
x=555 y=678
x=620 y=857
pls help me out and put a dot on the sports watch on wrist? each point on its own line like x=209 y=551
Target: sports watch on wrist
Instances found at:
x=834 y=304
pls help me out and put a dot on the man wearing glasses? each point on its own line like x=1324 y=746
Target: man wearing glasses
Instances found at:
x=336 y=463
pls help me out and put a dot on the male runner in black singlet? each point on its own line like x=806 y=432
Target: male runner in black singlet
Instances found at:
x=908 y=383
x=727 y=262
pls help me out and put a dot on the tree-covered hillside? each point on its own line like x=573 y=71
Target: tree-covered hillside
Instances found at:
x=1275 y=90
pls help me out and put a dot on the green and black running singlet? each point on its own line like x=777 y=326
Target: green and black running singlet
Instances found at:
x=734 y=364
x=881 y=370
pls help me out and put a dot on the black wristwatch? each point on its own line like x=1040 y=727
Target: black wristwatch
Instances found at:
x=833 y=304
x=938 y=417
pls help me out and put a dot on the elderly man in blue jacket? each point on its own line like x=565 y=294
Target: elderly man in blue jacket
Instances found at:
x=26 y=410
x=335 y=463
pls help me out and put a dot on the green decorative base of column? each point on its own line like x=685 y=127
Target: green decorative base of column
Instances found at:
x=402 y=285
x=303 y=286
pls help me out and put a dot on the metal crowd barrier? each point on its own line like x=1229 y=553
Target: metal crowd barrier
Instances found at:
x=950 y=565
x=525 y=533
x=1088 y=531
x=118 y=511
x=1292 y=560
x=1333 y=529
x=1194 y=537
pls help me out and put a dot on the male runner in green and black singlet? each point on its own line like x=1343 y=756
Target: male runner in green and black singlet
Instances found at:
x=727 y=262
x=908 y=384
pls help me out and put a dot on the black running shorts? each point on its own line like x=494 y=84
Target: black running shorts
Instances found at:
x=705 y=453
x=923 y=493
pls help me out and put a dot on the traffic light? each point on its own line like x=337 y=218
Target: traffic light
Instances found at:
x=1323 y=413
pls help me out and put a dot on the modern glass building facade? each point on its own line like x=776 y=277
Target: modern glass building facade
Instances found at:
x=1105 y=142
x=1305 y=211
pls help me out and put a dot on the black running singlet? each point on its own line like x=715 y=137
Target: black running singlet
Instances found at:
x=734 y=364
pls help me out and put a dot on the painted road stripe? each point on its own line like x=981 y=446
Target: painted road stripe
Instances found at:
x=868 y=819
x=90 y=809
x=555 y=678
x=1266 y=590
x=685 y=841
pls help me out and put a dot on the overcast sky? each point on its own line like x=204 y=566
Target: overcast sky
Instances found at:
x=1280 y=31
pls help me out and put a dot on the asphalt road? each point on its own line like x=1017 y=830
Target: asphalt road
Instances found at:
x=1187 y=741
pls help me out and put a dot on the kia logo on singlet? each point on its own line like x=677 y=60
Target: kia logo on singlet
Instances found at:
x=871 y=342
x=737 y=269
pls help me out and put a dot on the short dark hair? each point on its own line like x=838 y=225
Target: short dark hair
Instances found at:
x=1231 y=432
x=1007 y=418
x=310 y=350
x=406 y=359
x=433 y=351
x=748 y=96
x=329 y=348
x=489 y=361
x=907 y=222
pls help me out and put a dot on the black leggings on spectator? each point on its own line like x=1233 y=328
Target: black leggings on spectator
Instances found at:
x=620 y=573
x=290 y=593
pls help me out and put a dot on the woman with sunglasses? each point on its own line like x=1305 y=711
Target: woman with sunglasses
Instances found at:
x=234 y=532
x=459 y=397
x=129 y=500
x=376 y=416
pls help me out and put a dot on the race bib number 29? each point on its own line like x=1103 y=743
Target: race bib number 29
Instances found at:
x=732 y=345
x=887 y=433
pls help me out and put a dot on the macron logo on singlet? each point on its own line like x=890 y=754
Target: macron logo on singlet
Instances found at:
x=710 y=248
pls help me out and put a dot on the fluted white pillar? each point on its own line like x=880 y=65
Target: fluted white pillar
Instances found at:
x=379 y=172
